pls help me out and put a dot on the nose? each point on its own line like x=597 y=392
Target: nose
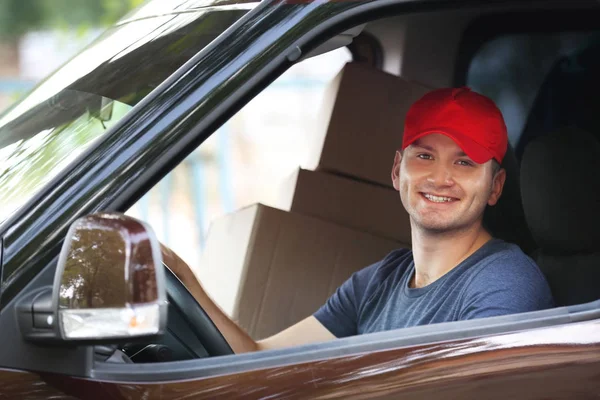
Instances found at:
x=440 y=175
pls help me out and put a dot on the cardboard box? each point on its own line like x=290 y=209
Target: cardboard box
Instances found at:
x=269 y=269
x=362 y=123
x=359 y=205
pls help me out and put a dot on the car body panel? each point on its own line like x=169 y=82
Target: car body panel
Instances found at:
x=415 y=372
x=555 y=362
x=28 y=385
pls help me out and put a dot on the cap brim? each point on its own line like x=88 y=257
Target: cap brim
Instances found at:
x=474 y=150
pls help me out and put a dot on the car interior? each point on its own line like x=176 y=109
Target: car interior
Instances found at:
x=549 y=206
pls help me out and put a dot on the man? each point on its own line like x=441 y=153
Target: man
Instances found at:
x=447 y=173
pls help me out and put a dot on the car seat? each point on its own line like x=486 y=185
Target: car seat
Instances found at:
x=561 y=198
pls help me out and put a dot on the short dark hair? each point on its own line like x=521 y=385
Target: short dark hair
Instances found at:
x=495 y=167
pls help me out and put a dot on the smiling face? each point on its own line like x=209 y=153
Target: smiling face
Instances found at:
x=441 y=188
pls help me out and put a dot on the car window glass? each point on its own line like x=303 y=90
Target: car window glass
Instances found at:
x=517 y=69
x=71 y=109
x=29 y=162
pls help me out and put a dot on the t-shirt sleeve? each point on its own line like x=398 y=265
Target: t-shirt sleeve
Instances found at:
x=507 y=285
x=340 y=313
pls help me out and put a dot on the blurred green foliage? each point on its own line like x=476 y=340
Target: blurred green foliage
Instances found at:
x=20 y=16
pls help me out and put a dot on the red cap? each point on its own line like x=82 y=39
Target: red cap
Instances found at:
x=472 y=120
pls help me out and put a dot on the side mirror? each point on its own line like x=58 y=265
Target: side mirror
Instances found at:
x=109 y=284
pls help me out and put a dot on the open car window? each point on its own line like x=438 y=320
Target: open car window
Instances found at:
x=246 y=161
x=208 y=220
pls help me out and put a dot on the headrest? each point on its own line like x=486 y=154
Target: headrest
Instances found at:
x=561 y=191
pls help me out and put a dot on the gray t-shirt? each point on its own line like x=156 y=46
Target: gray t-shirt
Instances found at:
x=497 y=279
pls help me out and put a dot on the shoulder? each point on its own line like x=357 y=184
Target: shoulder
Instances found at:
x=505 y=269
x=395 y=262
x=362 y=280
x=368 y=280
x=502 y=259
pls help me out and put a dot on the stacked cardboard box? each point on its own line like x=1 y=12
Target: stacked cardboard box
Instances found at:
x=281 y=266
x=359 y=205
x=362 y=123
x=269 y=268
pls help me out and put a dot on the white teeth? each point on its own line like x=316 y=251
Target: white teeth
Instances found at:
x=437 y=199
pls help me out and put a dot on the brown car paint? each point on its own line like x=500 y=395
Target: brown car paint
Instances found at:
x=548 y=363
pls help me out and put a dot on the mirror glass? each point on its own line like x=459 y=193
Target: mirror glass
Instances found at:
x=110 y=279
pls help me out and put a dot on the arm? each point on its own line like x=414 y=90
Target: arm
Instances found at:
x=306 y=331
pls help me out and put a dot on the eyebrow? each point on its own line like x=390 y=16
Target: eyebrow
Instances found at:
x=459 y=153
x=423 y=146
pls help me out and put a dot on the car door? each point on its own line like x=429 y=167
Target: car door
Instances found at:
x=526 y=356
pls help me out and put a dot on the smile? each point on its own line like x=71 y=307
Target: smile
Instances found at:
x=438 y=199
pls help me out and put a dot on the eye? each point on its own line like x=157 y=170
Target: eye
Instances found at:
x=465 y=163
x=424 y=156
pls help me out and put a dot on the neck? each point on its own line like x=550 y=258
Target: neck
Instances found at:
x=436 y=253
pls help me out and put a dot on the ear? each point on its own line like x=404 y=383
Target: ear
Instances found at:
x=497 y=186
x=396 y=170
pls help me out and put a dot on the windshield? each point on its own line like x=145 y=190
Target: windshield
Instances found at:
x=72 y=109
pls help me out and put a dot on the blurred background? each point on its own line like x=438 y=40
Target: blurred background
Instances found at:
x=38 y=36
x=241 y=164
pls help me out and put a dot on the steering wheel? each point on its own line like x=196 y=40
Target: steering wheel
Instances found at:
x=199 y=323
